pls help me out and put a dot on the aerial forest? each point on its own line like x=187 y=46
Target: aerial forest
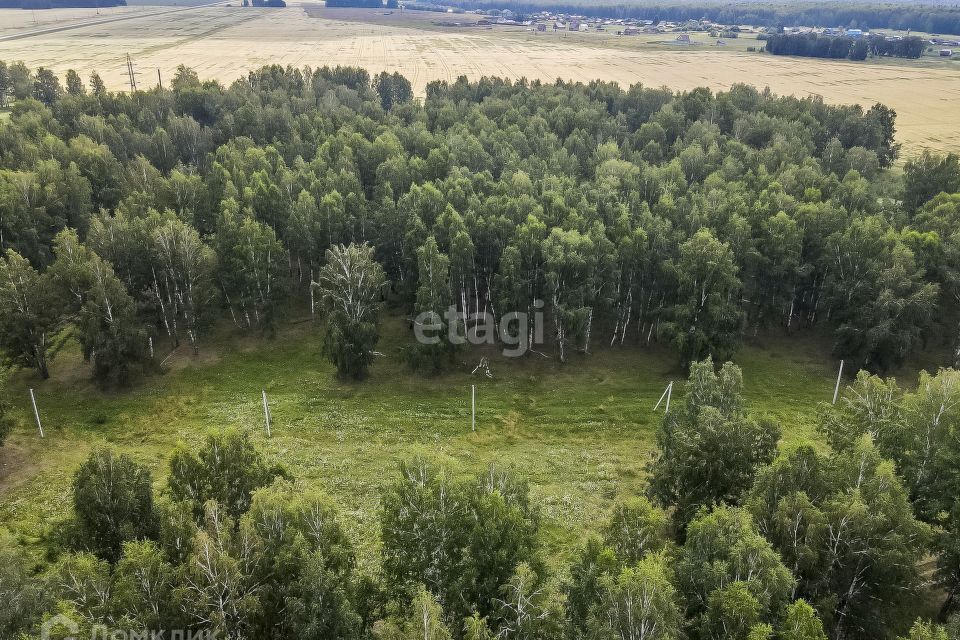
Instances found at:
x=632 y=216
x=135 y=223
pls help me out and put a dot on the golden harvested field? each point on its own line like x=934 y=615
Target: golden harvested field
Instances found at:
x=224 y=42
x=13 y=21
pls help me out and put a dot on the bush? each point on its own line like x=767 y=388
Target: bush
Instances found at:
x=227 y=469
x=112 y=504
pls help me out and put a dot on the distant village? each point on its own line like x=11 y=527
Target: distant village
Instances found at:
x=552 y=21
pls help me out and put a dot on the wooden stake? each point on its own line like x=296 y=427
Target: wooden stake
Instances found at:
x=36 y=414
x=669 y=393
x=150 y=340
x=266 y=411
x=836 y=389
x=473 y=407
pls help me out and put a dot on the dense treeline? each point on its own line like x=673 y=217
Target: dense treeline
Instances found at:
x=370 y=4
x=734 y=540
x=930 y=18
x=623 y=216
x=823 y=46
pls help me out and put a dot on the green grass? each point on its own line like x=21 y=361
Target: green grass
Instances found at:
x=582 y=433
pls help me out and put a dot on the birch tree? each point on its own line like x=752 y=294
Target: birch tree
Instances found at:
x=252 y=267
x=183 y=280
x=707 y=318
x=24 y=597
x=641 y=603
x=636 y=528
x=423 y=622
x=226 y=469
x=142 y=588
x=874 y=547
x=877 y=295
x=845 y=525
x=350 y=285
x=779 y=270
x=529 y=608
x=462 y=541
x=567 y=275
x=305 y=238
x=28 y=314
x=519 y=282
x=922 y=630
x=108 y=329
x=220 y=588
x=631 y=249
x=306 y=568
x=724 y=560
x=710 y=449
x=433 y=302
x=453 y=237
x=112 y=503
x=800 y=622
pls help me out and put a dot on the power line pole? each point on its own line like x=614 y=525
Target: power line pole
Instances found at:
x=131 y=74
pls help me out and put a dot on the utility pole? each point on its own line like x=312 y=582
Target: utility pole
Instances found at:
x=131 y=74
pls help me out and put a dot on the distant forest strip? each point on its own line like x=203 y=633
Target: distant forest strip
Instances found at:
x=366 y=4
x=932 y=19
x=820 y=46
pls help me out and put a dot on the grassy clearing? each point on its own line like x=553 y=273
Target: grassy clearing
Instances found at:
x=582 y=433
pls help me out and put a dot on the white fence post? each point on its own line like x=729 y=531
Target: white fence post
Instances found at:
x=836 y=389
x=266 y=411
x=36 y=413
